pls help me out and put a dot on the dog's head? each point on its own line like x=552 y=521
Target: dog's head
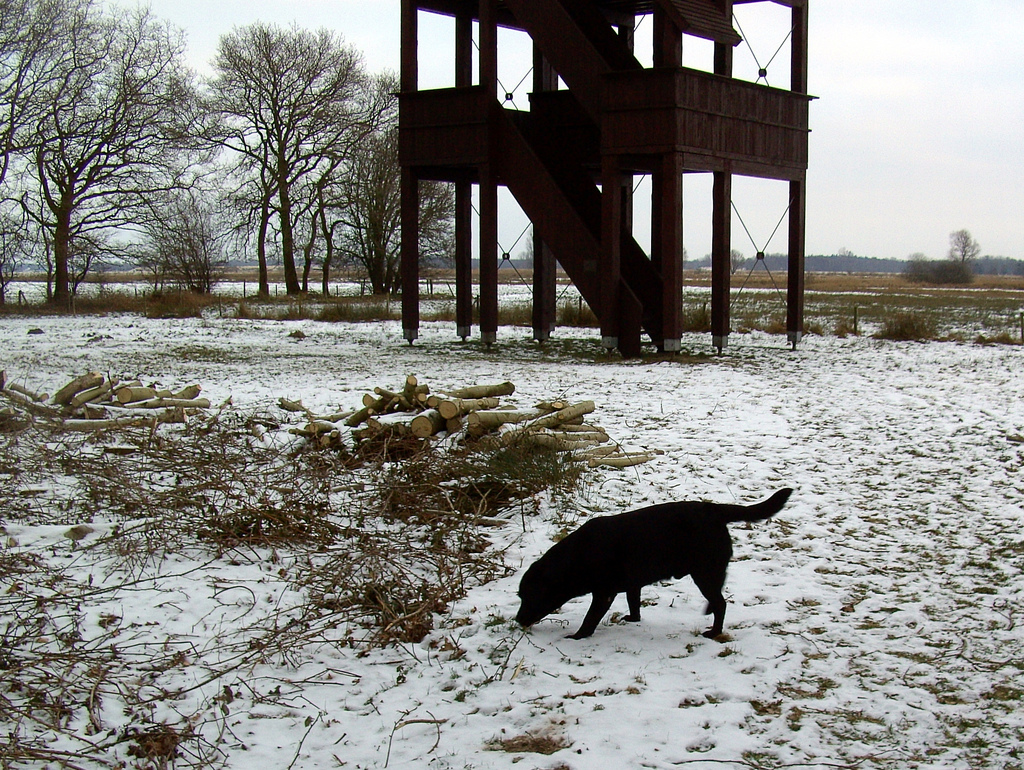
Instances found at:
x=539 y=594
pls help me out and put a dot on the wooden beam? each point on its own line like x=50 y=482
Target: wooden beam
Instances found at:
x=410 y=256
x=668 y=39
x=795 y=281
x=410 y=194
x=544 y=266
x=409 y=74
x=610 y=270
x=670 y=237
x=463 y=189
x=721 y=258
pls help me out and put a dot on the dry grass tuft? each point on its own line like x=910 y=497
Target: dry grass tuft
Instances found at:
x=531 y=744
x=907 y=327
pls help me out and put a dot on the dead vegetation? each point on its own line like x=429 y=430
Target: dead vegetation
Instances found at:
x=371 y=546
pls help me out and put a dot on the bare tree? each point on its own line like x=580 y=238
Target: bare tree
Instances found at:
x=184 y=242
x=114 y=134
x=290 y=102
x=963 y=248
x=15 y=245
x=33 y=44
x=368 y=206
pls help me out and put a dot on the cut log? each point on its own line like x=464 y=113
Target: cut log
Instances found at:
x=455 y=407
x=548 y=441
x=581 y=428
x=160 y=402
x=92 y=394
x=409 y=391
x=621 y=461
x=427 y=423
x=171 y=415
x=552 y=406
x=568 y=414
x=486 y=420
x=77 y=385
x=189 y=392
x=596 y=436
x=601 y=451
x=358 y=417
x=290 y=406
x=483 y=391
x=129 y=394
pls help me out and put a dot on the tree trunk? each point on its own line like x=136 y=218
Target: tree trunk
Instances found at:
x=61 y=253
x=307 y=257
x=291 y=276
x=261 y=247
x=325 y=280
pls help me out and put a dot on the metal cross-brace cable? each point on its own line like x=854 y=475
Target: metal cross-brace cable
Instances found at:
x=509 y=95
x=762 y=71
x=760 y=257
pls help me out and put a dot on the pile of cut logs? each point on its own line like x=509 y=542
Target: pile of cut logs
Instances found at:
x=468 y=414
x=94 y=402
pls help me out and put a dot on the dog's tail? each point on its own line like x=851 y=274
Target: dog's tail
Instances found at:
x=758 y=511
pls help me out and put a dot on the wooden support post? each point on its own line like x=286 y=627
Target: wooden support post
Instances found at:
x=488 y=182
x=544 y=286
x=668 y=40
x=410 y=256
x=721 y=258
x=463 y=190
x=489 y=46
x=795 y=289
x=488 y=255
x=797 y=190
x=544 y=290
x=410 y=197
x=609 y=272
x=463 y=258
x=721 y=223
x=671 y=251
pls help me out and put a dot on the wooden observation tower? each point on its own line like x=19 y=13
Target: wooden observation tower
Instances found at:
x=597 y=118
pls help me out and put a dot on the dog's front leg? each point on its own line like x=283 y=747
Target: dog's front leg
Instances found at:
x=598 y=607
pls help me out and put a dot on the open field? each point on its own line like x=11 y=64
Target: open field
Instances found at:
x=874 y=623
x=991 y=309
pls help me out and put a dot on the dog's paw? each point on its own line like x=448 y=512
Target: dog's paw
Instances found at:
x=632 y=618
x=713 y=633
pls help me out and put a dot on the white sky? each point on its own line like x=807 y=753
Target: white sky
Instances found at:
x=917 y=131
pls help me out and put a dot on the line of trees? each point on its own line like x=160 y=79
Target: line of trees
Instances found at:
x=112 y=152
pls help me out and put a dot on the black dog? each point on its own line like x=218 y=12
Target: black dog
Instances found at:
x=612 y=554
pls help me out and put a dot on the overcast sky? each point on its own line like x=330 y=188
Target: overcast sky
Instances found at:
x=918 y=129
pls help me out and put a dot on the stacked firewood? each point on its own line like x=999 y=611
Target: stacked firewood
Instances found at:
x=93 y=402
x=467 y=414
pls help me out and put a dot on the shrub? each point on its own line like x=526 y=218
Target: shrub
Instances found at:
x=354 y=310
x=697 y=319
x=943 y=272
x=906 y=327
x=575 y=313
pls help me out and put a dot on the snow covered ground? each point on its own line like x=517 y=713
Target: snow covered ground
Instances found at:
x=877 y=621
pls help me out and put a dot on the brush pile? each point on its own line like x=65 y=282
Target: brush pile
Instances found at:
x=95 y=402
x=413 y=414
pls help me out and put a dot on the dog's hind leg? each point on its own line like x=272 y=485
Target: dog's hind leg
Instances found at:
x=598 y=607
x=633 y=597
x=711 y=587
